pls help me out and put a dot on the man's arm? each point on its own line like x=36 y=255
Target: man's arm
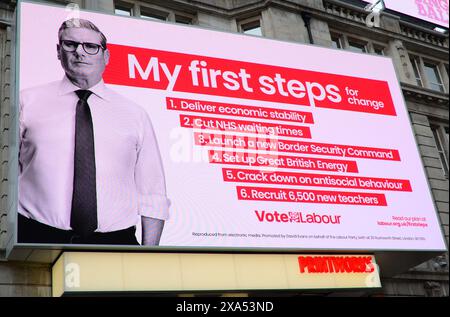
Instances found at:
x=150 y=182
x=151 y=230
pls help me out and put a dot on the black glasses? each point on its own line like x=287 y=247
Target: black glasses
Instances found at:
x=89 y=48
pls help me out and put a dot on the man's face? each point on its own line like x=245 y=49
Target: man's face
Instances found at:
x=79 y=64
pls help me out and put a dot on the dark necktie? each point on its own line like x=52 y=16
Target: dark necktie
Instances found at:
x=83 y=219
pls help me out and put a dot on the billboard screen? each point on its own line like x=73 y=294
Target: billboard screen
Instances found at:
x=135 y=132
x=434 y=11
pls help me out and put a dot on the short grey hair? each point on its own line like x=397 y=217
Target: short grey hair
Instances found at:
x=81 y=23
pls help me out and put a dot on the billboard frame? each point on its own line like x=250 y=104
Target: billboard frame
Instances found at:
x=48 y=253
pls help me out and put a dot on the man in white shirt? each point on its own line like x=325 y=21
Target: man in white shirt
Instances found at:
x=89 y=162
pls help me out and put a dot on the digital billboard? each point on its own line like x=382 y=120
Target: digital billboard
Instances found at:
x=136 y=132
x=434 y=11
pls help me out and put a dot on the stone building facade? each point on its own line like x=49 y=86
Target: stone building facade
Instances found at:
x=419 y=53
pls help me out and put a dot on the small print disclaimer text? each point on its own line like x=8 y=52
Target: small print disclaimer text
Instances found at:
x=302 y=236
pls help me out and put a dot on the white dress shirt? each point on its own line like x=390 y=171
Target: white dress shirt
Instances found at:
x=129 y=172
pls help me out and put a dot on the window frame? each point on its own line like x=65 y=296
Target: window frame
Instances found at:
x=355 y=42
x=370 y=46
x=440 y=66
x=152 y=13
x=339 y=40
x=254 y=20
x=415 y=63
x=382 y=49
x=124 y=6
x=155 y=12
x=437 y=73
x=440 y=136
x=183 y=19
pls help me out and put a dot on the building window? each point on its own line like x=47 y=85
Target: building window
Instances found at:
x=415 y=62
x=152 y=14
x=356 y=46
x=183 y=19
x=122 y=8
x=378 y=50
x=433 y=76
x=428 y=73
x=336 y=41
x=440 y=134
x=251 y=26
x=342 y=40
